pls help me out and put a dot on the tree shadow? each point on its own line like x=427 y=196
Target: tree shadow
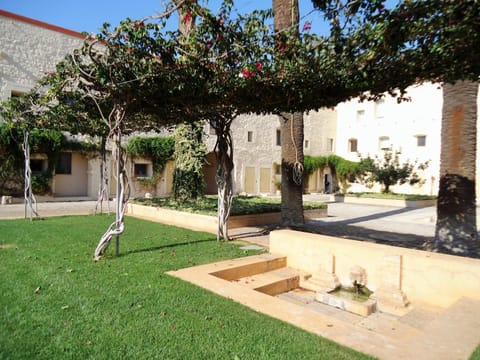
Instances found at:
x=370 y=217
x=360 y=233
x=166 y=246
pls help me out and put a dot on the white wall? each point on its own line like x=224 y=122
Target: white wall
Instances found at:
x=401 y=123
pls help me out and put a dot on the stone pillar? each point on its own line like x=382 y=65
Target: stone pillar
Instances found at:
x=389 y=295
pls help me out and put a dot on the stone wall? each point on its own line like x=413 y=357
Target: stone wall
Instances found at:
x=29 y=49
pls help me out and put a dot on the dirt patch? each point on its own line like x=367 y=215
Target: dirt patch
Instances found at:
x=6 y=246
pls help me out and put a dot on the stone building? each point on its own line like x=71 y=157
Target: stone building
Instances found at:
x=354 y=129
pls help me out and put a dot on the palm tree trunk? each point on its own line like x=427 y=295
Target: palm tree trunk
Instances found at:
x=286 y=16
x=456 y=228
x=292 y=169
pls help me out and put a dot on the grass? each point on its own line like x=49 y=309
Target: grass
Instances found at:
x=411 y=197
x=241 y=205
x=56 y=303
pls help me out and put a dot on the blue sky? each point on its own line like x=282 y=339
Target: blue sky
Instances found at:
x=89 y=15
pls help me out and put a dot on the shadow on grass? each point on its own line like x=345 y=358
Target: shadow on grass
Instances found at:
x=166 y=246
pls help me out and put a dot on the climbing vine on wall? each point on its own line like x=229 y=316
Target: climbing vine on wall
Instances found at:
x=343 y=171
x=158 y=149
x=190 y=154
x=48 y=142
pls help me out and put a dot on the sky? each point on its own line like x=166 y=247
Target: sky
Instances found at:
x=89 y=15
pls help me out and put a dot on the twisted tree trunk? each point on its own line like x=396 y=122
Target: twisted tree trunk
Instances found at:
x=103 y=190
x=29 y=198
x=224 y=153
x=123 y=189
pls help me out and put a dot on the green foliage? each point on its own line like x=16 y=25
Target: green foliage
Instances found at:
x=159 y=149
x=42 y=141
x=128 y=306
x=389 y=171
x=241 y=205
x=344 y=171
x=190 y=156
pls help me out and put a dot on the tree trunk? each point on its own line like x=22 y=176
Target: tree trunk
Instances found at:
x=456 y=228
x=30 y=201
x=286 y=16
x=123 y=188
x=292 y=169
x=103 y=190
x=224 y=153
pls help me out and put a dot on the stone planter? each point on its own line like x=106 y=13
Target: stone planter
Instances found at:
x=209 y=223
x=385 y=202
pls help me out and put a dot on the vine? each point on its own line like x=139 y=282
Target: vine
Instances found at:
x=190 y=153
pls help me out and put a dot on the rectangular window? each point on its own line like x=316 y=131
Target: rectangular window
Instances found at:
x=421 y=140
x=380 y=108
x=330 y=144
x=384 y=143
x=361 y=115
x=307 y=143
x=64 y=164
x=38 y=166
x=279 y=137
x=278 y=169
x=141 y=170
x=353 y=145
x=250 y=136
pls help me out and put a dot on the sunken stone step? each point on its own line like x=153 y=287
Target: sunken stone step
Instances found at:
x=265 y=264
x=273 y=282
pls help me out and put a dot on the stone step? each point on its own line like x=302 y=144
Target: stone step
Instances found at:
x=273 y=282
x=257 y=266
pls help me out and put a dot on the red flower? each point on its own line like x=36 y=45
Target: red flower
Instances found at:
x=188 y=16
x=247 y=73
x=258 y=65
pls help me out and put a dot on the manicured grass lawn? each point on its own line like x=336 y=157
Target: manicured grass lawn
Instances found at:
x=56 y=303
x=241 y=205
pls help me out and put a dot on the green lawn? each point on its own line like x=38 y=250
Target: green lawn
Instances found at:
x=241 y=205
x=56 y=303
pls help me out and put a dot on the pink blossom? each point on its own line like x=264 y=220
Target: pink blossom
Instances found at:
x=307 y=26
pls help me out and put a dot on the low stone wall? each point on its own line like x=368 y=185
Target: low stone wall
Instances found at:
x=385 y=202
x=209 y=223
x=421 y=276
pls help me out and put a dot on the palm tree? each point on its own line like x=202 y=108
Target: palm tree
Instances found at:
x=286 y=18
x=456 y=229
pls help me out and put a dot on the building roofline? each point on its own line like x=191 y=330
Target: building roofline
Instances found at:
x=42 y=24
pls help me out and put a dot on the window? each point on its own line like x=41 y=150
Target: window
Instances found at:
x=361 y=115
x=380 y=108
x=140 y=170
x=279 y=137
x=64 y=164
x=353 y=145
x=307 y=144
x=38 y=166
x=421 y=140
x=250 y=136
x=330 y=144
x=384 y=143
x=278 y=169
